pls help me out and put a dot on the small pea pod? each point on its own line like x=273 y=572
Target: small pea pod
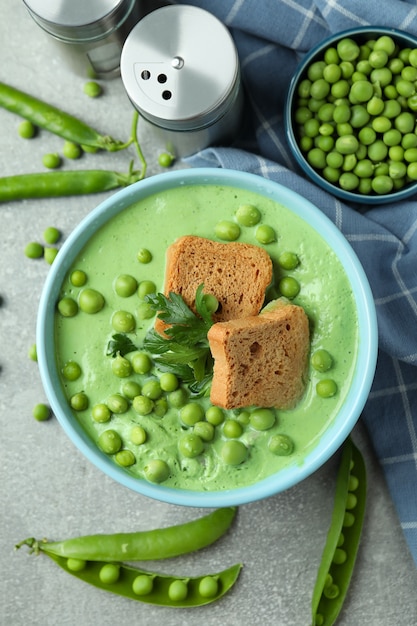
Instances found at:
x=150 y=545
x=54 y=120
x=342 y=543
x=63 y=183
x=151 y=587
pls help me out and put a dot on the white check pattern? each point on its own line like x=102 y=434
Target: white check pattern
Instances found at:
x=272 y=36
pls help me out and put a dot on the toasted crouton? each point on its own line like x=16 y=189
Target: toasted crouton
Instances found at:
x=260 y=360
x=237 y=274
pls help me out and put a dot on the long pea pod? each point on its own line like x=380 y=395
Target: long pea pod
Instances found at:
x=147 y=545
x=63 y=183
x=54 y=120
x=342 y=543
x=151 y=587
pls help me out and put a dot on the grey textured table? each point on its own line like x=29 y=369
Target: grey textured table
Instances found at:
x=49 y=489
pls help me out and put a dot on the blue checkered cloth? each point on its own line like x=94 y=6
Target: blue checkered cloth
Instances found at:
x=272 y=36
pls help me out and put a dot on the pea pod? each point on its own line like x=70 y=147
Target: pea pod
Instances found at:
x=147 y=545
x=342 y=543
x=54 y=120
x=63 y=183
x=162 y=590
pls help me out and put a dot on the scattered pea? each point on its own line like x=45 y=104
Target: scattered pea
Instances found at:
x=71 y=150
x=125 y=285
x=288 y=260
x=144 y=256
x=131 y=389
x=125 y=458
x=138 y=435
x=101 y=413
x=145 y=311
x=33 y=352
x=265 y=234
x=123 y=321
x=49 y=254
x=121 y=367
x=34 y=250
x=262 y=419
x=78 y=278
x=233 y=452
x=191 y=413
x=289 y=287
x=79 y=401
x=204 y=430
x=117 y=403
x=90 y=301
x=191 y=445
x=326 y=388
x=281 y=445
x=165 y=159
x=178 y=398
x=67 y=307
x=145 y=288
x=321 y=360
x=227 y=230
x=41 y=412
x=142 y=405
x=110 y=441
x=215 y=415
x=92 y=89
x=26 y=129
x=232 y=429
x=141 y=363
x=168 y=382
x=156 y=471
x=152 y=389
x=52 y=160
x=71 y=370
x=248 y=215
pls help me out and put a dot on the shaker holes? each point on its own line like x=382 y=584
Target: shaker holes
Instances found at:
x=146 y=75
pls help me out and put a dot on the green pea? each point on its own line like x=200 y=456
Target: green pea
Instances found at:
x=312 y=127
x=142 y=585
x=341 y=113
x=145 y=311
x=289 y=287
x=303 y=88
x=78 y=278
x=315 y=70
x=204 y=430
x=109 y=573
x=100 y=413
x=165 y=159
x=121 y=367
x=191 y=413
x=71 y=370
x=145 y=288
x=367 y=136
x=347 y=144
x=131 y=389
x=138 y=435
x=79 y=401
x=123 y=321
x=233 y=452
x=362 y=91
x=33 y=352
x=177 y=590
x=76 y=565
x=321 y=360
x=92 y=89
x=142 y=405
x=320 y=88
x=364 y=168
x=347 y=69
x=248 y=215
x=67 y=307
x=51 y=235
x=351 y=501
x=326 y=388
x=281 y=445
x=317 y=158
x=412 y=171
x=232 y=429
x=156 y=471
x=71 y=150
x=377 y=151
x=178 y=398
x=144 y=256
x=191 y=445
x=125 y=285
x=382 y=184
x=244 y=418
x=52 y=160
x=332 y=73
x=215 y=415
x=141 y=363
x=208 y=587
x=341 y=88
x=347 y=49
x=110 y=441
x=262 y=419
x=325 y=113
x=125 y=458
x=288 y=260
x=265 y=234
x=385 y=43
x=168 y=382
x=41 y=412
x=152 y=389
x=117 y=403
x=227 y=230
x=34 y=250
x=50 y=254
x=405 y=122
x=334 y=160
x=331 y=56
x=412 y=57
x=26 y=129
x=90 y=301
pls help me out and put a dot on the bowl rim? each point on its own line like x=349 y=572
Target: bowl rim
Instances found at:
x=347 y=417
x=395 y=196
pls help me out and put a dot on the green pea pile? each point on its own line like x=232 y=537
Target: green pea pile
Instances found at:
x=355 y=115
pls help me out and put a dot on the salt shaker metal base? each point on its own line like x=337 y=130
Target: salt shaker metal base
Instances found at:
x=180 y=69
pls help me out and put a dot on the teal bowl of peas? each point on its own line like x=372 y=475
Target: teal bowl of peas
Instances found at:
x=139 y=408
x=350 y=115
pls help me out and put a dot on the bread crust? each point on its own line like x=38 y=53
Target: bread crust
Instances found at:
x=260 y=360
x=236 y=273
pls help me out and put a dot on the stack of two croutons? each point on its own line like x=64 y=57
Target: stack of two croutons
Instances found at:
x=259 y=357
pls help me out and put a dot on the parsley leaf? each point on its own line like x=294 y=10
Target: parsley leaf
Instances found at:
x=184 y=350
x=120 y=344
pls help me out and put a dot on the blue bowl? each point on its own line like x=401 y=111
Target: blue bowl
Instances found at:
x=360 y=35
x=341 y=425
